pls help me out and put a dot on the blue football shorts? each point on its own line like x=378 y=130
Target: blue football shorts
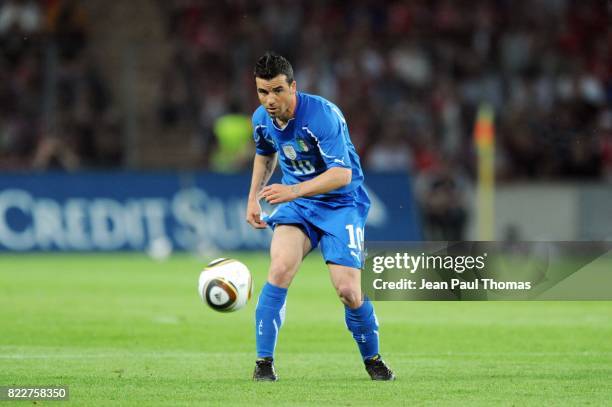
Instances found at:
x=338 y=224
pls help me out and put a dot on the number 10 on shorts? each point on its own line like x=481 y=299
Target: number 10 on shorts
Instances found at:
x=355 y=237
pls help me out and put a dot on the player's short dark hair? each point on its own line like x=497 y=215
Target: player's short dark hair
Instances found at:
x=271 y=65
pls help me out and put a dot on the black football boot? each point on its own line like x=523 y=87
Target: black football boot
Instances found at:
x=264 y=370
x=378 y=370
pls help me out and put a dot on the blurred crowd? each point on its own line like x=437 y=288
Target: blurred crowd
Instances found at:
x=55 y=109
x=409 y=75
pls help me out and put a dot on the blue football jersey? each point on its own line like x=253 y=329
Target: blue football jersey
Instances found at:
x=314 y=140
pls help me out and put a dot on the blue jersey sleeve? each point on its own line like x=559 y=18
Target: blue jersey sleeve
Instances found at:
x=330 y=132
x=263 y=143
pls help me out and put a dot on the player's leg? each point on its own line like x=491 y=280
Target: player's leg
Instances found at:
x=289 y=246
x=342 y=248
x=359 y=314
x=360 y=319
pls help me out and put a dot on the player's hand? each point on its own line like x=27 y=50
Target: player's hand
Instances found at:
x=253 y=215
x=279 y=193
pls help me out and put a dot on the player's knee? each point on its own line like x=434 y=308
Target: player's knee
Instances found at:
x=349 y=295
x=281 y=273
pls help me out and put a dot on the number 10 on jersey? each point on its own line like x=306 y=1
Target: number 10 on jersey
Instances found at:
x=301 y=167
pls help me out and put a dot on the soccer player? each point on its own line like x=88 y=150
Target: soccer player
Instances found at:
x=321 y=201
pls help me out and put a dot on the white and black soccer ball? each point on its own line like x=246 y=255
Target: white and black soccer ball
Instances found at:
x=225 y=285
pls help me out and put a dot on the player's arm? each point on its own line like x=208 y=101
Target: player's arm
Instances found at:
x=263 y=168
x=333 y=178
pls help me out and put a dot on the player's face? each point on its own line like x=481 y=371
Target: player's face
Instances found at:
x=277 y=96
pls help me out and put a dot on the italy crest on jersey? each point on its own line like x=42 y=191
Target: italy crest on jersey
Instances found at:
x=289 y=151
x=301 y=145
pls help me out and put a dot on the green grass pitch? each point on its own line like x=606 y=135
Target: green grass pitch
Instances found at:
x=122 y=329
